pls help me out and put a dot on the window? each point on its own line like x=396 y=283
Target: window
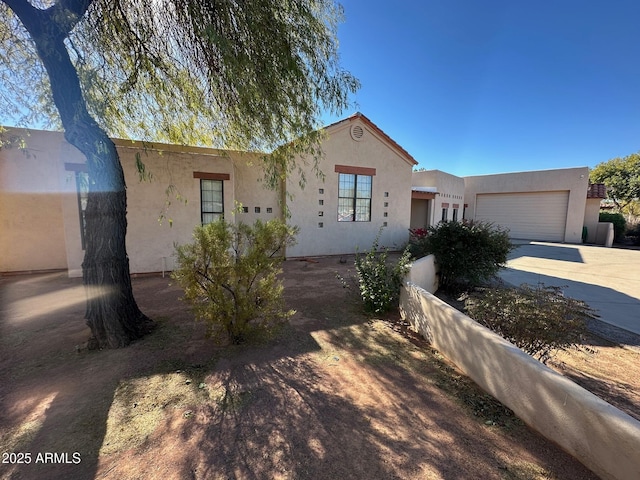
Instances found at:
x=455 y=215
x=445 y=214
x=354 y=197
x=82 y=187
x=211 y=205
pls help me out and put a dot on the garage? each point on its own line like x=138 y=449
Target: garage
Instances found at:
x=527 y=215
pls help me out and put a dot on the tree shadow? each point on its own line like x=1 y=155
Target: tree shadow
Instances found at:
x=618 y=321
x=279 y=409
x=565 y=253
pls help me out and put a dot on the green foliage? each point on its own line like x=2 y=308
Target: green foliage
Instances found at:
x=240 y=75
x=633 y=233
x=230 y=276
x=379 y=279
x=418 y=242
x=467 y=253
x=622 y=178
x=619 y=224
x=539 y=320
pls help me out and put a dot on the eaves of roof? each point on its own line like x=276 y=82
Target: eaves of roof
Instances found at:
x=378 y=130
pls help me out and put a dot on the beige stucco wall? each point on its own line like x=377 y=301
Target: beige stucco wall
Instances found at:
x=591 y=218
x=575 y=180
x=150 y=240
x=45 y=234
x=393 y=175
x=251 y=191
x=599 y=435
x=32 y=183
x=423 y=272
x=450 y=189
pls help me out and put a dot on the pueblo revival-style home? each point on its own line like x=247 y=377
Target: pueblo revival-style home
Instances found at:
x=368 y=183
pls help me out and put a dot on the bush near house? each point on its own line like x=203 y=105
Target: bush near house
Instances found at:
x=619 y=224
x=418 y=242
x=467 y=253
x=538 y=319
x=230 y=276
x=379 y=280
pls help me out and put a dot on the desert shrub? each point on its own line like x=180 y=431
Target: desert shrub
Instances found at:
x=539 y=320
x=379 y=279
x=619 y=224
x=230 y=276
x=467 y=253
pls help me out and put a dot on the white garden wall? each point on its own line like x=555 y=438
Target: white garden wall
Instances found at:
x=599 y=435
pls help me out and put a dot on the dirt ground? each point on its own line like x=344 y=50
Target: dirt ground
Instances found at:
x=336 y=394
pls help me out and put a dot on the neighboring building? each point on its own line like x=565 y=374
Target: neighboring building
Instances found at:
x=435 y=197
x=546 y=205
x=368 y=184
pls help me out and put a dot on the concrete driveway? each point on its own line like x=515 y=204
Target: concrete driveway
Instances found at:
x=608 y=279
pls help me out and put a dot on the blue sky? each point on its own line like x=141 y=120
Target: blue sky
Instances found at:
x=473 y=87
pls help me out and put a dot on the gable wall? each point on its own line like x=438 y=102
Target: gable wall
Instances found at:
x=393 y=175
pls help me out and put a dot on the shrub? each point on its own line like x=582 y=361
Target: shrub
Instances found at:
x=418 y=242
x=539 y=320
x=379 y=280
x=633 y=233
x=467 y=253
x=230 y=276
x=619 y=224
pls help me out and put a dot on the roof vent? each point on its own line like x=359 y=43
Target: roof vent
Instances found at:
x=357 y=132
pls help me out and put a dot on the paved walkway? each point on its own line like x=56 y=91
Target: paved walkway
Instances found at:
x=608 y=279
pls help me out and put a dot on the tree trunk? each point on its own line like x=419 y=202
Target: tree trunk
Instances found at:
x=112 y=313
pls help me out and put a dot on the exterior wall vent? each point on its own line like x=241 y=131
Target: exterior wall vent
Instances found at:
x=357 y=132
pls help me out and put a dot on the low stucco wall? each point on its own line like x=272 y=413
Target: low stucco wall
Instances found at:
x=605 y=234
x=423 y=272
x=599 y=435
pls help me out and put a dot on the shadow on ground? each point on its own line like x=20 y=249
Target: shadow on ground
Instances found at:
x=546 y=251
x=333 y=396
x=611 y=305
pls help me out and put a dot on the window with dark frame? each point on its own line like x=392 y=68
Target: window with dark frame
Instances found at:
x=455 y=215
x=82 y=188
x=445 y=214
x=211 y=200
x=354 y=197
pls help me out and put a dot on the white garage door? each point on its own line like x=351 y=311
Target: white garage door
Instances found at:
x=531 y=215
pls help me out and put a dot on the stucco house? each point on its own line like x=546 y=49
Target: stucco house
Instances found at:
x=368 y=184
x=547 y=205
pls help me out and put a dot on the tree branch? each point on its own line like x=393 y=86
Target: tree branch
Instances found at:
x=60 y=18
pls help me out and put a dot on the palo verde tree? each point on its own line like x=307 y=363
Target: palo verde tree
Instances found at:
x=622 y=178
x=244 y=75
